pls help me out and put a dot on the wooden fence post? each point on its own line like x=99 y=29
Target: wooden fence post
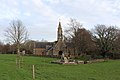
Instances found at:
x=33 y=71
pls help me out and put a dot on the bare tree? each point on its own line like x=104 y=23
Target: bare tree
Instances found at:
x=16 y=34
x=71 y=33
x=74 y=25
x=105 y=37
x=79 y=37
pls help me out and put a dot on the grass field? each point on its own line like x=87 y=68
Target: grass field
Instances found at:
x=109 y=70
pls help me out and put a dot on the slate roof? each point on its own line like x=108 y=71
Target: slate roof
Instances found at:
x=43 y=44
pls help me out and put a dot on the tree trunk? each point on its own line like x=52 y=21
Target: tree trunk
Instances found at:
x=18 y=61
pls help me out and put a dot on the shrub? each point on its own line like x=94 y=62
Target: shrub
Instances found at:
x=85 y=57
x=96 y=56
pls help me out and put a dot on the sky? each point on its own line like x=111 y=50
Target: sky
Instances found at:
x=41 y=17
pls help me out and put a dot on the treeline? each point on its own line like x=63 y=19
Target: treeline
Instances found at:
x=103 y=41
x=9 y=48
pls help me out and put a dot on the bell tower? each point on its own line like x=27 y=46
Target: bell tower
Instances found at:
x=59 y=32
x=59 y=47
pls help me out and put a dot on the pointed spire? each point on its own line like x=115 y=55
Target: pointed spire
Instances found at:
x=59 y=26
x=60 y=36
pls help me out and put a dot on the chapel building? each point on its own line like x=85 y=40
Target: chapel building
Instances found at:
x=56 y=48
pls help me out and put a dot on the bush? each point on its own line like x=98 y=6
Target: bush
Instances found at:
x=96 y=56
x=85 y=58
x=116 y=56
x=113 y=55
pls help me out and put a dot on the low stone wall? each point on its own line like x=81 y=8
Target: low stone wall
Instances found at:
x=91 y=61
x=78 y=62
x=97 y=60
x=61 y=62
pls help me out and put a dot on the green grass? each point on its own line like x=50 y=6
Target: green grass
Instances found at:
x=109 y=70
